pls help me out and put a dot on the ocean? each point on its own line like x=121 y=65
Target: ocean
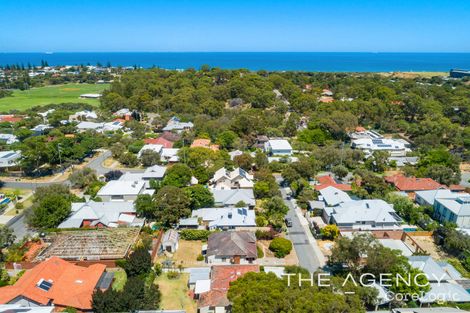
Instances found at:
x=270 y=61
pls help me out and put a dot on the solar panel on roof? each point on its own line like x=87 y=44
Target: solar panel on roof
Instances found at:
x=44 y=285
x=377 y=141
x=384 y=146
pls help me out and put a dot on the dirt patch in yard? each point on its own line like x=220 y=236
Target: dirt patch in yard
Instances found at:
x=270 y=259
x=428 y=245
x=326 y=246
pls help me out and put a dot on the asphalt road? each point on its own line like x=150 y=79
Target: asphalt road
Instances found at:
x=307 y=255
x=18 y=225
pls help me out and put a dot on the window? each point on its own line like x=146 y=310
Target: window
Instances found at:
x=117 y=197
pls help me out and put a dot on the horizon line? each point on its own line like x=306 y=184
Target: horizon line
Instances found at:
x=368 y=52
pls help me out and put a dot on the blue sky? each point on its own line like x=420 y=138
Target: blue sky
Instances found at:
x=175 y=25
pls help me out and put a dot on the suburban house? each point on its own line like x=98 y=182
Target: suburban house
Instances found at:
x=100 y=127
x=9 y=158
x=234 y=154
x=59 y=283
x=232 y=197
x=8 y=138
x=238 y=178
x=455 y=208
x=83 y=115
x=170 y=241
x=277 y=147
x=363 y=215
x=150 y=147
x=40 y=129
x=231 y=247
x=204 y=143
x=174 y=124
x=215 y=299
x=333 y=196
x=198 y=274
x=395 y=147
x=412 y=184
x=118 y=190
x=443 y=279
x=169 y=155
x=102 y=214
x=328 y=181
x=159 y=141
x=155 y=172
x=428 y=197
x=370 y=141
x=225 y=218
x=85 y=125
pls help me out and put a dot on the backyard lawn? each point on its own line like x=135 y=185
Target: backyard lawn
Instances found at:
x=175 y=293
x=25 y=99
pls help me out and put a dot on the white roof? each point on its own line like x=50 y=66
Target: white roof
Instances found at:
x=379 y=144
x=235 y=153
x=87 y=114
x=368 y=211
x=151 y=147
x=276 y=270
x=198 y=273
x=170 y=154
x=396 y=244
x=105 y=213
x=432 y=270
x=112 y=126
x=233 y=196
x=333 y=196
x=203 y=285
x=445 y=292
x=90 y=125
x=155 y=171
x=279 y=144
x=226 y=217
x=431 y=195
x=119 y=187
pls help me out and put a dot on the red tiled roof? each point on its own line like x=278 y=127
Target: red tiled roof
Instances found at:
x=360 y=129
x=72 y=285
x=159 y=141
x=10 y=118
x=221 y=277
x=404 y=183
x=327 y=181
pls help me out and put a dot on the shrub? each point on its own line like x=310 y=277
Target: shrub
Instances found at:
x=200 y=257
x=173 y=275
x=281 y=247
x=195 y=234
x=261 y=221
x=265 y=234
x=330 y=232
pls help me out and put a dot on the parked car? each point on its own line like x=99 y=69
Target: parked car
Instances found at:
x=288 y=221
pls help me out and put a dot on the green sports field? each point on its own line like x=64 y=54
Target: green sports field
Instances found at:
x=22 y=100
